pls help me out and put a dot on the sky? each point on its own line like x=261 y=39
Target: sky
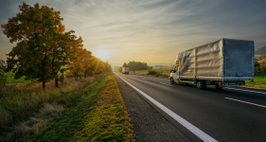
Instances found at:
x=152 y=31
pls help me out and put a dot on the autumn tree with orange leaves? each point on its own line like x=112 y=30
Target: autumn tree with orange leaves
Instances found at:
x=79 y=63
x=84 y=64
x=43 y=49
x=42 y=45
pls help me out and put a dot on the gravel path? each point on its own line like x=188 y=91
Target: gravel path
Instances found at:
x=148 y=123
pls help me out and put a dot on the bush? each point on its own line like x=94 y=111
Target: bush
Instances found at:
x=2 y=80
x=2 y=74
x=152 y=72
x=263 y=65
x=260 y=65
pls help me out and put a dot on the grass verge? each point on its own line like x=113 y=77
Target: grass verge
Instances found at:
x=99 y=115
x=154 y=72
x=258 y=83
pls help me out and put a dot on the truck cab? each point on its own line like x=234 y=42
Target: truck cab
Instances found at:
x=174 y=74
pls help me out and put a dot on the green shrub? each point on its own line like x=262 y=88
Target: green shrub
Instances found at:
x=152 y=72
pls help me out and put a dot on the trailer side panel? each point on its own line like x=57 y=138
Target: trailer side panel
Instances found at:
x=209 y=61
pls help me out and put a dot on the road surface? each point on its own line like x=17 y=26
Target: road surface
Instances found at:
x=216 y=115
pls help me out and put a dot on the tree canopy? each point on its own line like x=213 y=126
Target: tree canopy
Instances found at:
x=135 y=65
x=260 y=65
x=43 y=48
x=2 y=73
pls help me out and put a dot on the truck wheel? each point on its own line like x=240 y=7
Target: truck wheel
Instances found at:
x=217 y=86
x=172 y=81
x=201 y=84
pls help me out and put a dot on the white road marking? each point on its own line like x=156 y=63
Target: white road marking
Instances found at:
x=241 y=101
x=251 y=91
x=199 y=133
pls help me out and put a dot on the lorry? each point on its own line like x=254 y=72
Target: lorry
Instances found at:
x=125 y=70
x=225 y=62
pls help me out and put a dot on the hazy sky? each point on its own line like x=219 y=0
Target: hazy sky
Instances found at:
x=153 y=31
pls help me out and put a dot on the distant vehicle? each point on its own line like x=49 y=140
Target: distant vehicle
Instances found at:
x=225 y=62
x=125 y=70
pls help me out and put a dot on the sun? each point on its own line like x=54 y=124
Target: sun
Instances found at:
x=101 y=53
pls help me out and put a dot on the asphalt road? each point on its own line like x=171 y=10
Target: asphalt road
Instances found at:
x=225 y=115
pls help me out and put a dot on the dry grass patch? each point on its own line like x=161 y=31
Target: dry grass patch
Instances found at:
x=28 y=129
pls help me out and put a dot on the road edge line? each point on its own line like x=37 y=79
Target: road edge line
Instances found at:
x=196 y=131
x=250 y=91
x=246 y=102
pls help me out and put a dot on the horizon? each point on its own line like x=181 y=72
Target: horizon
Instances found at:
x=150 y=31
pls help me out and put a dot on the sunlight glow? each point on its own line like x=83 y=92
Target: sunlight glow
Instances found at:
x=101 y=53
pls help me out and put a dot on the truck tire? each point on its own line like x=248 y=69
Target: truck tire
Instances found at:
x=172 y=81
x=200 y=84
x=217 y=86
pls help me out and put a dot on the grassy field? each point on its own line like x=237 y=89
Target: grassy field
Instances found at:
x=155 y=72
x=258 y=83
x=64 y=114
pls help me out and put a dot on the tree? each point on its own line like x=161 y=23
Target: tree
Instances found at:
x=61 y=58
x=42 y=45
x=2 y=74
x=102 y=67
x=124 y=65
x=257 y=66
x=262 y=65
x=133 y=65
x=79 y=63
x=84 y=64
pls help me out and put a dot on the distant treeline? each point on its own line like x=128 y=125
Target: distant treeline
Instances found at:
x=44 y=50
x=135 y=65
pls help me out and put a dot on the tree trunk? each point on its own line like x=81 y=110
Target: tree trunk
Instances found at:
x=56 y=81
x=61 y=79
x=43 y=84
x=43 y=72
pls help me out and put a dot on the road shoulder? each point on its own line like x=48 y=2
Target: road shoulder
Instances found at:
x=148 y=123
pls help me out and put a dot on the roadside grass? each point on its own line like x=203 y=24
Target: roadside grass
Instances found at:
x=163 y=72
x=140 y=72
x=24 y=111
x=154 y=72
x=258 y=83
x=99 y=115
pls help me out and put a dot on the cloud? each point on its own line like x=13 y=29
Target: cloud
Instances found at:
x=156 y=27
